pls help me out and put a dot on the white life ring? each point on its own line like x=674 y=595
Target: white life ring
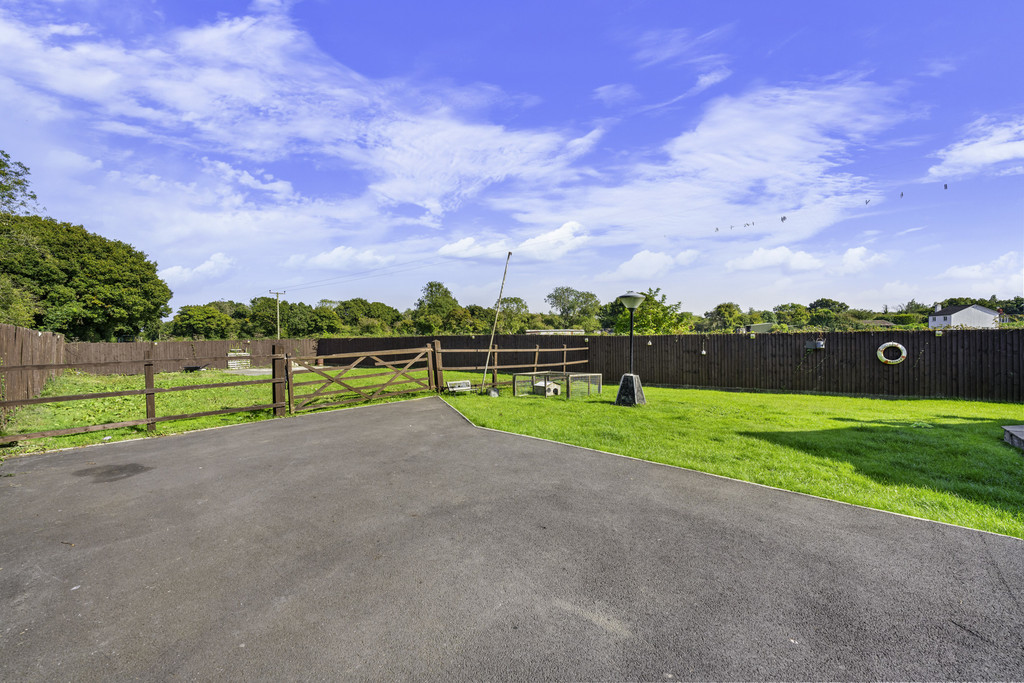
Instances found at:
x=887 y=345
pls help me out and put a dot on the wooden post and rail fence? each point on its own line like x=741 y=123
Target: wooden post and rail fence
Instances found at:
x=338 y=380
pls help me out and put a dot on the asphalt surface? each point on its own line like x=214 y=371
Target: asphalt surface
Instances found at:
x=399 y=542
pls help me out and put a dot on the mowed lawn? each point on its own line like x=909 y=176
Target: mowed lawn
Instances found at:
x=943 y=460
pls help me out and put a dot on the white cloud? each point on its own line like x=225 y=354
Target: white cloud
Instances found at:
x=615 y=94
x=1002 y=267
x=469 y=247
x=678 y=46
x=750 y=160
x=218 y=264
x=686 y=257
x=259 y=88
x=641 y=266
x=777 y=257
x=343 y=257
x=858 y=259
x=555 y=244
x=989 y=145
x=705 y=81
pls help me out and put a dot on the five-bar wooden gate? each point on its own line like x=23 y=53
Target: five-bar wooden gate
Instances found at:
x=350 y=377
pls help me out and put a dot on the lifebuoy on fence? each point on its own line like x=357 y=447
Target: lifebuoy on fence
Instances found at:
x=896 y=345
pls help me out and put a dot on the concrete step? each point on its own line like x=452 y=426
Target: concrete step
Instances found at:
x=1014 y=436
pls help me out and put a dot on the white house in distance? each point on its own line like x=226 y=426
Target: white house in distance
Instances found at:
x=973 y=316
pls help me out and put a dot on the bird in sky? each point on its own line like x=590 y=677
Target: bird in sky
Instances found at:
x=866 y=202
x=901 y=195
x=783 y=219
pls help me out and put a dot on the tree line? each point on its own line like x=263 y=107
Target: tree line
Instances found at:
x=438 y=312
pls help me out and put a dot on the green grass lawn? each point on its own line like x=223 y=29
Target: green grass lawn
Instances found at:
x=937 y=459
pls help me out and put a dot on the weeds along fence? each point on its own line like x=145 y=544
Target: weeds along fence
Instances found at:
x=968 y=364
x=105 y=358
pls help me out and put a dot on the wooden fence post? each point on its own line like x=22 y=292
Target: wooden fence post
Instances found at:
x=289 y=382
x=438 y=365
x=150 y=394
x=494 y=370
x=431 y=377
x=565 y=357
x=278 y=364
x=536 y=357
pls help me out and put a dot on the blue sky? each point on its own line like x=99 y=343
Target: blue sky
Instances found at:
x=342 y=149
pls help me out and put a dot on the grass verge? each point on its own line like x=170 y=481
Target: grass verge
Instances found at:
x=943 y=460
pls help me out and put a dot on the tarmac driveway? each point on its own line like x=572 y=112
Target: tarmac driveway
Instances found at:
x=398 y=541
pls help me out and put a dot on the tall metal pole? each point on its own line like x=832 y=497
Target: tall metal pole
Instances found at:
x=497 y=307
x=631 y=341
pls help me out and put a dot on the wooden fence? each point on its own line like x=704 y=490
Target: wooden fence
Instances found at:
x=21 y=346
x=969 y=364
x=149 y=393
x=97 y=357
x=519 y=350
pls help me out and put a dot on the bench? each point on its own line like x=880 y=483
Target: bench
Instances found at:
x=459 y=385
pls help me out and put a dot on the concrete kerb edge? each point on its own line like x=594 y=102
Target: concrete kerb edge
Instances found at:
x=719 y=476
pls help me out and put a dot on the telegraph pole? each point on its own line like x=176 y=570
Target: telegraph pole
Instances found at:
x=278 y=311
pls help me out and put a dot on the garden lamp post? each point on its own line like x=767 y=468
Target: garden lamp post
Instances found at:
x=631 y=393
x=631 y=300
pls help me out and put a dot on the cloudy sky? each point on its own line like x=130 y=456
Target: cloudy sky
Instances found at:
x=755 y=152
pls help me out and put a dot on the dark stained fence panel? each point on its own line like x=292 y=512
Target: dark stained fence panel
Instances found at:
x=172 y=356
x=969 y=364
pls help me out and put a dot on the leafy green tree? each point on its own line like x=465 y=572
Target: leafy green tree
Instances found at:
x=326 y=320
x=609 y=314
x=87 y=287
x=654 y=315
x=725 y=316
x=203 y=322
x=15 y=195
x=827 y=304
x=431 y=323
x=435 y=299
x=298 y=320
x=913 y=307
x=576 y=308
x=262 y=321
x=824 y=317
x=1014 y=306
x=861 y=314
x=350 y=311
x=233 y=309
x=792 y=315
x=386 y=314
x=17 y=305
x=514 y=317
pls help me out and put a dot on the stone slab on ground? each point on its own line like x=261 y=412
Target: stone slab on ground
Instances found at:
x=1014 y=435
